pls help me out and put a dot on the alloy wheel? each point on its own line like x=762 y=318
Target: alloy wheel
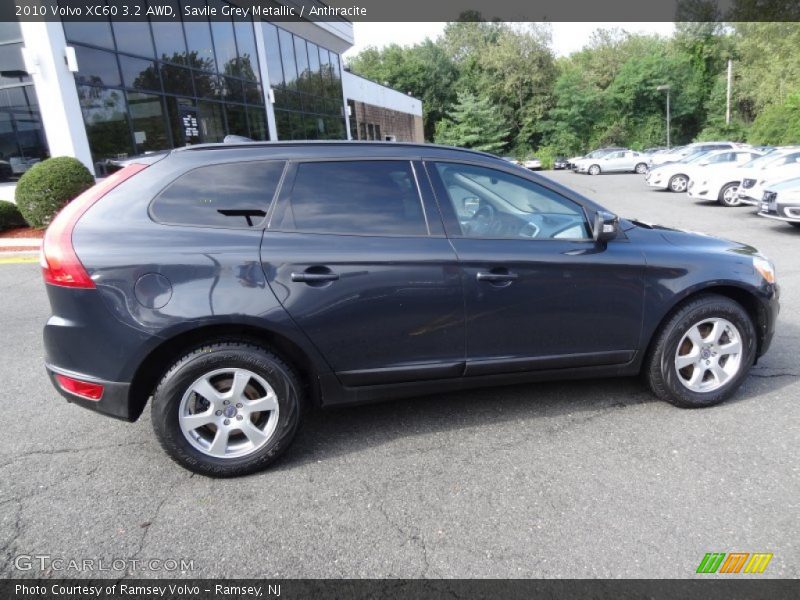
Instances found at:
x=709 y=355
x=678 y=183
x=228 y=413
x=729 y=195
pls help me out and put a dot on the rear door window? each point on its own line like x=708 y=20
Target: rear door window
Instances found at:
x=232 y=195
x=369 y=197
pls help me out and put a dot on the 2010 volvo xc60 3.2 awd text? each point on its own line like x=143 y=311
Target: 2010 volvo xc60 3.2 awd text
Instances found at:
x=233 y=286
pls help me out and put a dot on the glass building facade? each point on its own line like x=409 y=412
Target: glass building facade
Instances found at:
x=22 y=139
x=307 y=82
x=146 y=86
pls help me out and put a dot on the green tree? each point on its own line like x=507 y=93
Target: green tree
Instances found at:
x=424 y=71
x=779 y=123
x=473 y=123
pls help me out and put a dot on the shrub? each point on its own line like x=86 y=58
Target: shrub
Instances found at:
x=10 y=217
x=46 y=187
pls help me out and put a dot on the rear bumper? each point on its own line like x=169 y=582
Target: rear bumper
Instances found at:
x=114 y=402
x=84 y=340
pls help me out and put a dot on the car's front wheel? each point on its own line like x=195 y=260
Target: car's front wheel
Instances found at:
x=727 y=195
x=594 y=170
x=227 y=409
x=678 y=183
x=703 y=353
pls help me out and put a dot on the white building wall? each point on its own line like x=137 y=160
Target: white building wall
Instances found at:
x=45 y=58
x=363 y=90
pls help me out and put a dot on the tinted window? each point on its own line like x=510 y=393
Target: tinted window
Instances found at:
x=224 y=43
x=362 y=197
x=230 y=195
x=170 y=44
x=200 y=46
x=139 y=74
x=133 y=36
x=493 y=204
x=274 y=65
x=96 y=33
x=287 y=58
x=96 y=67
x=246 y=43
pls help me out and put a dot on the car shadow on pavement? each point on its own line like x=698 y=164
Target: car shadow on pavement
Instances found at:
x=536 y=407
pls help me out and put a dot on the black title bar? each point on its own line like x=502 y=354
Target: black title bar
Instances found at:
x=404 y=11
x=712 y=588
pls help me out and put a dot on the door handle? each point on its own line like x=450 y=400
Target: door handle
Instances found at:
x=497 y=277
x=314 y=277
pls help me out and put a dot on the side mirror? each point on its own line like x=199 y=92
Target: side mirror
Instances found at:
x=606 y=226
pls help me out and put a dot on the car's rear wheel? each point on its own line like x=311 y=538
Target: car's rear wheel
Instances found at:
x=641 y=168
x=594 y=170
x=227 y=409
x=678 y=183
x=727 y=195
x=703 y=353
x=795 y=224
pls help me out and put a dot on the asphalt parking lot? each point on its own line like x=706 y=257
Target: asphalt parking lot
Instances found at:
x=574 y=479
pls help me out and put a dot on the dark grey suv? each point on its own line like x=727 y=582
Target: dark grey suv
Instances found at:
x=236 y=285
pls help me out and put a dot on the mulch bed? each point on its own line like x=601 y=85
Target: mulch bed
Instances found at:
x=22 y=232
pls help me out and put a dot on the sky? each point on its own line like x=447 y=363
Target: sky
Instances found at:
x=567 y=37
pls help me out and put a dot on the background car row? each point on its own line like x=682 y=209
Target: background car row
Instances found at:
x=729 y=173
x=768 y=178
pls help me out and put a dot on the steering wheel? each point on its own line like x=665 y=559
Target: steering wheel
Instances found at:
x=483 y=219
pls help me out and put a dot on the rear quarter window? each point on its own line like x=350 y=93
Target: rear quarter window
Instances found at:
x=231 y=195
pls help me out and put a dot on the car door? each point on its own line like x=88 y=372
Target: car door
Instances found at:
x=629 y=161
x=539 y=292
x=355 y=258
x=613 y=161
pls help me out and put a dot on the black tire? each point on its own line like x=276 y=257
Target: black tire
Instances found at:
x=641 y=168
x=794 y=224
x=660 y=370
x=729 y=202
x=594 y=170
x=221 y=355
x=678 y=183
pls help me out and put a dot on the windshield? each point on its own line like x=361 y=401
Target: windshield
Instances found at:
x=692 y=158
x=760 y=161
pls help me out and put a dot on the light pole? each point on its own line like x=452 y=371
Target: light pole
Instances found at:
x=661 y=88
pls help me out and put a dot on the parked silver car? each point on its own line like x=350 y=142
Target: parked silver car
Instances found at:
x=619 y=161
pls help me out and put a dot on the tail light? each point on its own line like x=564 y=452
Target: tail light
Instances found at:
x=60 y=264
x=85 y=389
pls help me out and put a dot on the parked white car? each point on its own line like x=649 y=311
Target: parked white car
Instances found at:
x=619 y=161
x=575 y=160
x=682 y=152
x=533 y=163
x=717 y=175
x=781 y=201
x=781 y=164
x=673 y=176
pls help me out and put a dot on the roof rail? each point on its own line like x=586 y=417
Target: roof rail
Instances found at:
x=300 y=143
